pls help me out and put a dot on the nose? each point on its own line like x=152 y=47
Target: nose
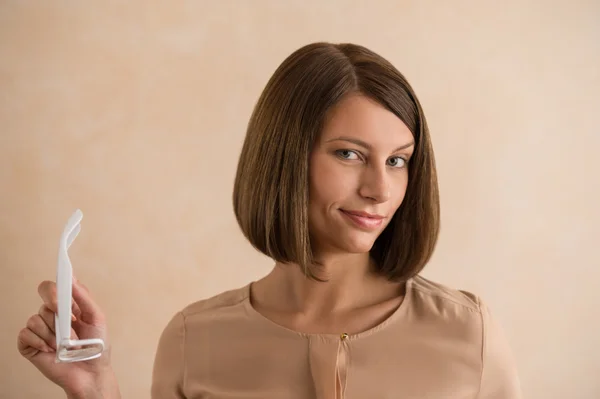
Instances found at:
x=375 y=184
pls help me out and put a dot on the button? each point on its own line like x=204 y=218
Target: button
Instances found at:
x=343 y=336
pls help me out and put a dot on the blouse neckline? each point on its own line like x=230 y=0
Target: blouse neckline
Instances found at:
x=401 y=309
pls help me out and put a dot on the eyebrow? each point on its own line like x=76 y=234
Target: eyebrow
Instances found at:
x=366 y=145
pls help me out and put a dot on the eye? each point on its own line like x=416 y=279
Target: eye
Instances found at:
x=397 y=162
x=347 y=154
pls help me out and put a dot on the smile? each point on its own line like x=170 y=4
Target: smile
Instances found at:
x=360 y=219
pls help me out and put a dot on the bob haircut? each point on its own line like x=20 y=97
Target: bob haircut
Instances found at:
x=270 y=195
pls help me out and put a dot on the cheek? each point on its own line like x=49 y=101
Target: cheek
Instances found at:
x=320 y=194
x=324 y=188
x=330 y=185
x=399 y=194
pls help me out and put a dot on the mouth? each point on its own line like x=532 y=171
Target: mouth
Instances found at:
x=364 y=220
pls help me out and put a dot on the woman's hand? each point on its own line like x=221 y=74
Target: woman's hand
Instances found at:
x=37 y=343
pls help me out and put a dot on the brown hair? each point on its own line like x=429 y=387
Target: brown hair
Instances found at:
x=270 y=195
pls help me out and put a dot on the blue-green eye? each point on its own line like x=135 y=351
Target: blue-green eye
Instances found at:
x=397 y=162
x=347 y=154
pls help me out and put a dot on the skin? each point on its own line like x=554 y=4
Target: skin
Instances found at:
x=345 y=176
x=360 y=163
x=36 y=342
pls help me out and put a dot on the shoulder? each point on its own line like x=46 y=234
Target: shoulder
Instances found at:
x=193 y=320
x=195 y=317
x=446 y=313
x=442 y=297
x=465 y=317
x=226 y=302
x=222 y=302
x=450 y=309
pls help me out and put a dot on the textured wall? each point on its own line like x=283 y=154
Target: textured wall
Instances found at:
x=135 y=113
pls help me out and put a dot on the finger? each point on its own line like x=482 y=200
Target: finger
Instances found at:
x=49 y=336
x=76 y=311
x=90 y=311
x=29 y=344
x=48 y=316
x=74 y=334
x=77 y=281
x=38 y=326
x=47 y=291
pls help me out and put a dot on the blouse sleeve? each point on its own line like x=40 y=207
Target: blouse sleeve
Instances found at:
x=499 y=377
x=169 y=362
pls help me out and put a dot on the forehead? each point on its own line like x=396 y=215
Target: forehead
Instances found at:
x=360 y=117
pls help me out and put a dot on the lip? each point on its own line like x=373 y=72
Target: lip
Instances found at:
x=363 y=214
x=364 y=220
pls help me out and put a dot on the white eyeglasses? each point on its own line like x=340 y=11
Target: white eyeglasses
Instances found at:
x=69 y=350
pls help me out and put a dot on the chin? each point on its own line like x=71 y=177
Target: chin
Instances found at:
x=357 y=245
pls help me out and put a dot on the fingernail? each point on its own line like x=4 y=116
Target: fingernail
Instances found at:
x=73 y=318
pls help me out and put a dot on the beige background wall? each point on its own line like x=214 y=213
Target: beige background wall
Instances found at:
x=135 y=112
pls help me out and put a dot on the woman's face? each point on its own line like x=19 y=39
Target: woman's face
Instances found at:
x=358 y=175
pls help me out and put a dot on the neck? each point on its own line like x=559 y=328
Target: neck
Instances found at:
x=346 y=276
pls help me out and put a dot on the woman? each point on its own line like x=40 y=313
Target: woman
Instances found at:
x=336 y=183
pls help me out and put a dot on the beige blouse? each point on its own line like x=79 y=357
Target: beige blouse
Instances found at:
x=440 y=343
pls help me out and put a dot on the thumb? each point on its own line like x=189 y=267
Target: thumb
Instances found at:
x=76 y=281
x=90 y=311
